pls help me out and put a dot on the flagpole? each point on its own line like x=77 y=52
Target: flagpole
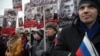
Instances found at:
x=44 y=30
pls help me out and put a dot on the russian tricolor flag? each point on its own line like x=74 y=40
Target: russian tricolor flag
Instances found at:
x=86 y=48
x=56 y=40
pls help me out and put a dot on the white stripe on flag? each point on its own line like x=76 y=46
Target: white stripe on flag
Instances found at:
x=88 y=44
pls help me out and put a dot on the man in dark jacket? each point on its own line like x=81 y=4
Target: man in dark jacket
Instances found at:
x=72 y=37
x=3 y=47
x=50 y=34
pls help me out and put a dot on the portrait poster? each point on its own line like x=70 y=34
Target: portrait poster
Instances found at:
x=67 y=12
x=9 y=20
x=45 y=14
x=29 y=16
x=50 y=13
x=17 y=4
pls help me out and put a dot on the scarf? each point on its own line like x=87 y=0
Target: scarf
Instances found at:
x=92 y=31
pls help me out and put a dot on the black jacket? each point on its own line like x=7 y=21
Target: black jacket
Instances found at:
x=2 y=47
x=70 y=40
x=49 y=45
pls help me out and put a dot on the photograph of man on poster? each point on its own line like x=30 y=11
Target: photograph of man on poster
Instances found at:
x=10 y=18
x=67 y=9
x=48 y=12
x=29 y=16
x=66 y=12
x=28 y=12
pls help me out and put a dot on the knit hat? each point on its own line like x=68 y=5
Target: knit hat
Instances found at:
x=40 y=33
x=95 y=3
x=52 y=25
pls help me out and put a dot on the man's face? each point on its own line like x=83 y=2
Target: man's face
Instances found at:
x=38 y=16
x=50 y=32
x=87 y=13
x=28 y=13
x=68 y=8
x=48 y=14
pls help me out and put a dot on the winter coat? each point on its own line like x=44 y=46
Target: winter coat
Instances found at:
x=2 y=47
x=70 y=40
x=14 y=47
x=37 y=48
x=49 y=46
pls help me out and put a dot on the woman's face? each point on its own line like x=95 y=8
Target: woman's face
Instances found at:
x=28 y=38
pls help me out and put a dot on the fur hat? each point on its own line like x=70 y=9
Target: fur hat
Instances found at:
x=52 y=25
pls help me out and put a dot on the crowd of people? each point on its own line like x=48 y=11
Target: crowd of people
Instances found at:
x=82 y=38
x=33 y=43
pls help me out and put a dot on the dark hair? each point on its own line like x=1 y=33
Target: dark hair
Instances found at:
x=40 y=33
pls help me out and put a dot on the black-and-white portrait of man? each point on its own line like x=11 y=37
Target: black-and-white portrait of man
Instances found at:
x=48 y=12
x=10 y=17
x=67 y=12
x=28 y=12
x=67 y=9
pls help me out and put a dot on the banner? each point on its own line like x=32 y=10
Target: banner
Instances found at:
x=30 y=23
x=42 y=12
x=9 y=20
x=67 y=12
x=8 y=31
x=29 y=16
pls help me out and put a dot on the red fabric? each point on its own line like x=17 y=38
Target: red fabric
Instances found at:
x=23 y=40
x=19 y=8
x=8 y=31
x=55 y=41
x=30 y=23
x=41 y=25
x=55 y=21
x=79 y=53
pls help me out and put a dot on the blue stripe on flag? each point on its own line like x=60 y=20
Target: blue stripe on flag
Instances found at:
x=84 y=49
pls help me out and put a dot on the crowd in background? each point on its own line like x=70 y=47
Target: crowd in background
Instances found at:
x=81 y=38
x=33 y=43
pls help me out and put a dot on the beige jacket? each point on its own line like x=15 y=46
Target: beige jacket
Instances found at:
x=14 y=48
